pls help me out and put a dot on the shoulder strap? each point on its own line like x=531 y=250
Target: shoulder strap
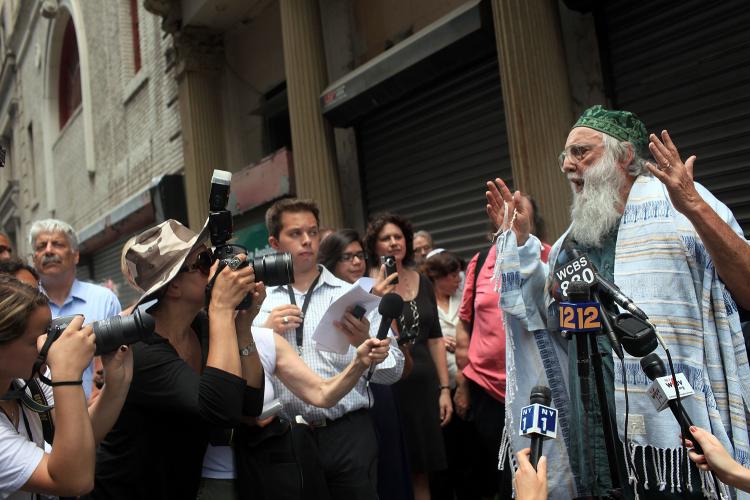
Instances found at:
x=37 y=395
x=481 y=258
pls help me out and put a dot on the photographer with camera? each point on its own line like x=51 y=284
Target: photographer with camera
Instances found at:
x=193 y=380
x=344 y=437
x=68 y=469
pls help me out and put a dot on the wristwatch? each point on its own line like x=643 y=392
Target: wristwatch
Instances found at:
x=248 y=349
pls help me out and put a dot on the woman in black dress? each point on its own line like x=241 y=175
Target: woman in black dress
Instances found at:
x=424 y=396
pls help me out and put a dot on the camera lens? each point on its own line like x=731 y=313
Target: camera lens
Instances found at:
x=275 y=269
x=122 y=330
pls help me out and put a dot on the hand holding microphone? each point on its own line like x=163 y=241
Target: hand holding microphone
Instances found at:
x=530 y=484
x=715 y=458
x=390 y=308
x=662 y=393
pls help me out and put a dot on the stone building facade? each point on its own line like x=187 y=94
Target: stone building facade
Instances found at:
x=123 y=129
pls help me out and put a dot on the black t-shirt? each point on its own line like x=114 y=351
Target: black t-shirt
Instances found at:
x=156 y=448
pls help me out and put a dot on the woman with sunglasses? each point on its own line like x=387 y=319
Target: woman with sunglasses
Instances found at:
x=26 y=469
x=199 y=376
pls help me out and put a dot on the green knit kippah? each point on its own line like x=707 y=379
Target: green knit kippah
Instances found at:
x=622 y=125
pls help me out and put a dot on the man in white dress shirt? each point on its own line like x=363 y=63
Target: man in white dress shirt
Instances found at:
x=344 y=435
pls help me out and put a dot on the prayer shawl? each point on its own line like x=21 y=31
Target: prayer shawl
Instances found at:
x=663 y=266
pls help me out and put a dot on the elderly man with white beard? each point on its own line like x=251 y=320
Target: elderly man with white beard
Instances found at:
x=623 y=219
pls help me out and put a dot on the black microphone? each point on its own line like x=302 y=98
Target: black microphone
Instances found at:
x=609 y=289
x=542 y=395
x=654 y=368
x=391 y=306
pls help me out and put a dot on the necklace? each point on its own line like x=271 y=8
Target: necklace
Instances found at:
x=409 y=332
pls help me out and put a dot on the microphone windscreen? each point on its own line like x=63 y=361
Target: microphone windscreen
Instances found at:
x=653 y=366
x=579 y=291
x=540 y=394
x=391 y=305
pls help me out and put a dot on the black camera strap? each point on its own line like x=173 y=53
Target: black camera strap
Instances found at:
x=305 y=304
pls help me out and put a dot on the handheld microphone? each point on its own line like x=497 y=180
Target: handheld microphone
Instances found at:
x=538 y=421
x=662 y=393
x=390 y=308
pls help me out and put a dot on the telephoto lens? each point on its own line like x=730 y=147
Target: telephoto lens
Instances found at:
x=113 y=332
x=122 y=330
x=274 y=269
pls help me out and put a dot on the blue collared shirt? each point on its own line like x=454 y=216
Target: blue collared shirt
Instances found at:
x=95 y=303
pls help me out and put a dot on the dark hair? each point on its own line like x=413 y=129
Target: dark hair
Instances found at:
x=376 y=225
x=295 y=205
x=17 y=301
x=540 y=231
x=441 y=265
x=334 y=245
x=12 y=266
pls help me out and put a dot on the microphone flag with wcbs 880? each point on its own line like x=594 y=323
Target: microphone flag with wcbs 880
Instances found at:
x=580 y=268
x=662 y=393
x=391 y=306
x=538 y=421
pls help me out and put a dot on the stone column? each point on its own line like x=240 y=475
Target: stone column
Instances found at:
x=315 y=171
x=199 y=53
x=537 y=99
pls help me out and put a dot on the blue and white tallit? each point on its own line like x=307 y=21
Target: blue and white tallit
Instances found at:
x=663 y=266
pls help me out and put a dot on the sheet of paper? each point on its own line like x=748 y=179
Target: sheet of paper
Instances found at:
x=326 y=336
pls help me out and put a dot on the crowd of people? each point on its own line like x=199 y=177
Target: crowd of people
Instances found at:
x=224 y=401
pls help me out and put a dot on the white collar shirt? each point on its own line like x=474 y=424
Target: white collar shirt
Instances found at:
x=327 y=364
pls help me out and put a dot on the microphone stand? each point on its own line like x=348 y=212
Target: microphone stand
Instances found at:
x=615 y=466
x=591 y=354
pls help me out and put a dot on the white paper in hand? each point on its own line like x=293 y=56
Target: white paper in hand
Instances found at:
x=326 y=336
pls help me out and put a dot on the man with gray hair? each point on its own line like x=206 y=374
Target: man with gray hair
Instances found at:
x=422 y=246
x=55 y=255
x=637 y=236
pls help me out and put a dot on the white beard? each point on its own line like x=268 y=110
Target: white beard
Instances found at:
x=596 y=209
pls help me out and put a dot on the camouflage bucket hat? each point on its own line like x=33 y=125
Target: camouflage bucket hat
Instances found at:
x=622 y=125
x=153 y=258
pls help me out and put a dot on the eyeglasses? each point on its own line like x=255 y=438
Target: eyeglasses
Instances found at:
x=4 y=249
x=202 y=263
x=346 y=257
x=575 y=152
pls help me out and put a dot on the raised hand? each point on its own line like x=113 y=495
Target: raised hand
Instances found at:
x=673 y=173
x=498 y=197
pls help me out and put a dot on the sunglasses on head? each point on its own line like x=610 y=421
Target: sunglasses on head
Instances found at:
x=202 y=263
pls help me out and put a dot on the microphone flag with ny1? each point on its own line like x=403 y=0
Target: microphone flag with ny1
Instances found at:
x=538 y=421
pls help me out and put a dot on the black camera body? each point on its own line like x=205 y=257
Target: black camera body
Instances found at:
x=110 y=333
x=390 y=266
x=272 y=270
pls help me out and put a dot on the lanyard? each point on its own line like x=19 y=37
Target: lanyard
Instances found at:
x=305 y=304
